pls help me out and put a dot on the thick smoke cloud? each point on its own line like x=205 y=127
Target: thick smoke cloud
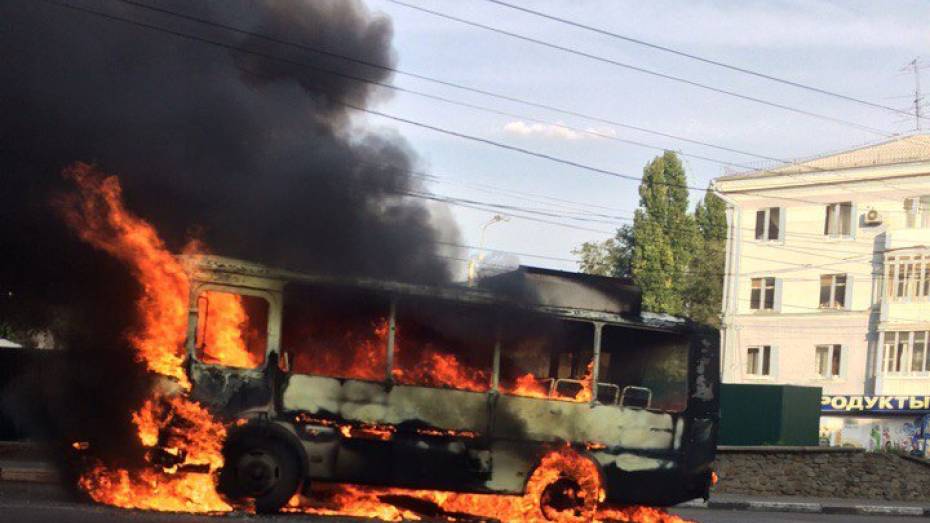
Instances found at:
x=254 y=156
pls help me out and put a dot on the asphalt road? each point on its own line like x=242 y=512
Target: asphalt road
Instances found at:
x=37 y=503
x=735 y=516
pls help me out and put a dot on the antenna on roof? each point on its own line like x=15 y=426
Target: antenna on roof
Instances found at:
x=914 y=65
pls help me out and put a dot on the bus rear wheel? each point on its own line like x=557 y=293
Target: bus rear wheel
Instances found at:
x=565 y=487
x=264 y=470
x=562 y=500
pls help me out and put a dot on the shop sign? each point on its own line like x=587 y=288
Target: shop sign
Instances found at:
x=839 y=404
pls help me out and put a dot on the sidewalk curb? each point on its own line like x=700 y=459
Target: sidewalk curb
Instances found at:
x=810 y=508
x=30 y=474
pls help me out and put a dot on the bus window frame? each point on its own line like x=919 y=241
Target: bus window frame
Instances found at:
x=595 y=357
x=273 y=327
x=686 y=386
x=389 y=381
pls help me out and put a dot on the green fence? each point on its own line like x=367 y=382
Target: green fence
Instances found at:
x=769 y=415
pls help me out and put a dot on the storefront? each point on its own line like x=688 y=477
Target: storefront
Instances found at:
x=898 y=423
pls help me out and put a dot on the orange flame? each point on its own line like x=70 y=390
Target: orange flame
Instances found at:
x=225 y=332
x=99 y=217
x=364 y=359
x=527 y=385
x=360 y=501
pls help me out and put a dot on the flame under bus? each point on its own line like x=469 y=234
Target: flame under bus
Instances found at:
x=453 y=388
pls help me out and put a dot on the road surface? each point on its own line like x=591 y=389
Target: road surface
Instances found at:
x=39 y=503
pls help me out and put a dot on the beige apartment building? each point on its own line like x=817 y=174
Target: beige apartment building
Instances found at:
x=827 y=284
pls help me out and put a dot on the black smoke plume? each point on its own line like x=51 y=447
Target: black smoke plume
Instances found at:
x=256 y=157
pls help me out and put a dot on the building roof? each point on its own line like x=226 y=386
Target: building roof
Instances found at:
x=905 y=149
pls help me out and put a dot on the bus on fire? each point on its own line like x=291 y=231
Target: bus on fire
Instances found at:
x=462 y=389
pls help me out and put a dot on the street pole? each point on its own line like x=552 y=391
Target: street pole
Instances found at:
x=475 y=260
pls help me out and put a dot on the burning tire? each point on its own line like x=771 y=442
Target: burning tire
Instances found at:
x=565 y=487
x=261 y=469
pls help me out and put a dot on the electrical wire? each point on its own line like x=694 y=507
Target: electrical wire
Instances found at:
x=717 y=63
x=478 y=205
x=644 y=70
x=445 y=83
x=390 y=116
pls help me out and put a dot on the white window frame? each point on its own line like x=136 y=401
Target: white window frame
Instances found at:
x=896 y=353
x=907 y=278
x=833 y=350
x=917 y=210
x=922 y=350
x=847 y=291
x=766 y=214
x=763 y=292
x=762 y=351
x=834 y=210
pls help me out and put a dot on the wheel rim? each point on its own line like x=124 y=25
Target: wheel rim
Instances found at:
x=562 y=498
x=257 y=471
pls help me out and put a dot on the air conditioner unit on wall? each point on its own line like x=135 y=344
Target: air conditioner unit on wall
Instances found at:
x=873 y=217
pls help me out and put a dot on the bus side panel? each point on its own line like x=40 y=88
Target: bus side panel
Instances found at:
x=367 y=402
x=435 y=440
x=536 y=419
x=627 y=439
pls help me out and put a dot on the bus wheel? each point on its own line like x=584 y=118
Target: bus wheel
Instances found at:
x=264 y=470
x=565 y=487
x=562 y=500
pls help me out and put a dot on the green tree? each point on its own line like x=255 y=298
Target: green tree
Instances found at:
x=676 y=258
x=665 y=235
x=611 y=257
x=705 y=289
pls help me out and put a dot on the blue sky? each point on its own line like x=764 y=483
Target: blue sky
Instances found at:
x=854 y=48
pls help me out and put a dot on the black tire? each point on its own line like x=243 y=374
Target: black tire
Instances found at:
x=562 y=500
x=260 y=468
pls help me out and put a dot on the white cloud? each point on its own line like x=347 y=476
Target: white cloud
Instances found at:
x=557 y=131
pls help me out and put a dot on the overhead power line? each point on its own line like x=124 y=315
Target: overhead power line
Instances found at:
x=567 y=112
x=644 y=70
x=400 y=119
x=427 y=95
x=710 y=61
x=382 y=114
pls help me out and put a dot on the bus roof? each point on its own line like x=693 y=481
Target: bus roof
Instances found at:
x=559 y=293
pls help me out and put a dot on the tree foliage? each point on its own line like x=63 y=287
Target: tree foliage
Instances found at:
x=611 y=257
x=666 y=236
x=675 y=257
x=705 y=289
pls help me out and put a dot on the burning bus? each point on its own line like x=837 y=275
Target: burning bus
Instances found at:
x=461 y=389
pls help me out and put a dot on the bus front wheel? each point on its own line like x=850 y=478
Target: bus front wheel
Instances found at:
x=262 y=469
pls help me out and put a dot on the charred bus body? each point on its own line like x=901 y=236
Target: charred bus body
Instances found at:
x=452 y=388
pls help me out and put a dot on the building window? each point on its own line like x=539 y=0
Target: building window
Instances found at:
x=769 y=224
x=896 y=347
x=839 y=220
x=833 y=291
x=829 y=358
x=918 y=212
x=919 y=361
x=759 y=361
x=762 y=295
x=907 y=277
x=903 y=346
